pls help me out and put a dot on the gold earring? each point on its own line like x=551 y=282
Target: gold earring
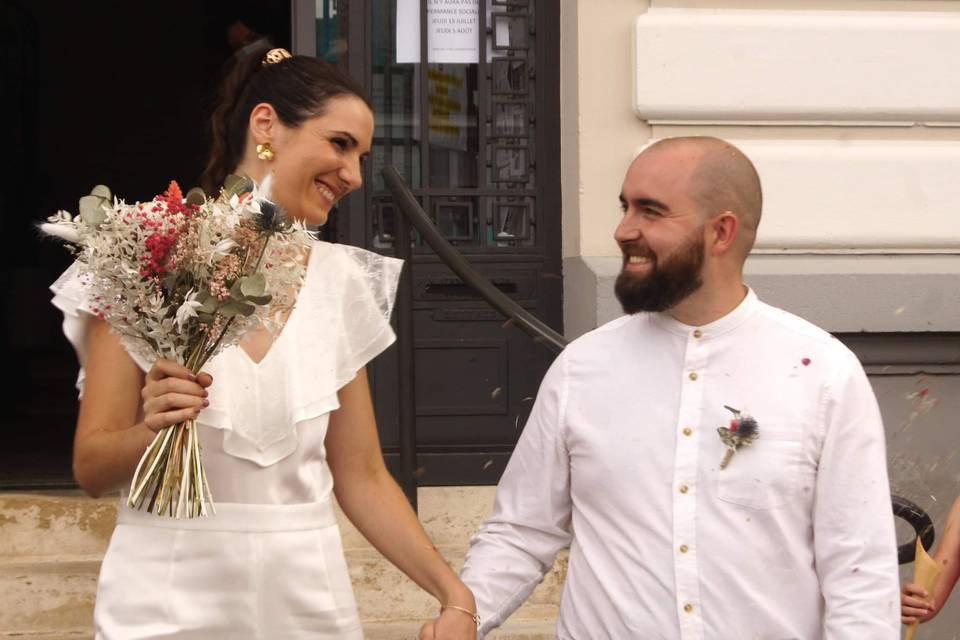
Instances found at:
x=264 y=152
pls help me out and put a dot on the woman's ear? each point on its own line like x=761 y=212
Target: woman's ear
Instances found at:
x=263 y=123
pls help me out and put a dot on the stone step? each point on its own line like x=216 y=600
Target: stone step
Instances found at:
x=58 y=523
x=55 y=524
x=67 y=634
x=48 y=593
x=384 y=593
x=525 y=629
x=51 y=546
x=400 y=630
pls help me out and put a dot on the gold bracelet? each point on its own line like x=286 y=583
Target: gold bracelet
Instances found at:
x=476 y=618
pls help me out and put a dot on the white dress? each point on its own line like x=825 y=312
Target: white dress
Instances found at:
x=269 y=564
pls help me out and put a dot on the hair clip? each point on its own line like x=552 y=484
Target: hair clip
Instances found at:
x=275 y=55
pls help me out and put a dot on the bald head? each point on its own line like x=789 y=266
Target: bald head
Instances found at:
x=722 y=179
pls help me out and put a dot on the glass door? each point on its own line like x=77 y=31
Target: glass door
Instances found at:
x=473 y=131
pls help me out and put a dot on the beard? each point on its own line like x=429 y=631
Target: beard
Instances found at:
x=666 y=285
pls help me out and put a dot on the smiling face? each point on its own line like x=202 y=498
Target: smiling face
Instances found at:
x=661 y=234
x=319 y=162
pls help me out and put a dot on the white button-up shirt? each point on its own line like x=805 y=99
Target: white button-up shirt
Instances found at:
x=620 y=460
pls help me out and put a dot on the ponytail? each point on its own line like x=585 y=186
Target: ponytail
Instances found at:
x=224 y=156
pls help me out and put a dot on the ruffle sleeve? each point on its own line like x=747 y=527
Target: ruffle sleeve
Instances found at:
x=71 y=295
x=340 y=322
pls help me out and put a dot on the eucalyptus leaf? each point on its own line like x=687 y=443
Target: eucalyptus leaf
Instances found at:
x=236 y=185
x=236 y=289
x=254 y=285
x=228 y=310
x=208 y=302
x=91 y=210
x=259 y=299
x=195 y=196
x=232 y=308
x=102 y=191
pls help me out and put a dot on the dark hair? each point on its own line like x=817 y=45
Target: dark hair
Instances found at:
x=298 y=88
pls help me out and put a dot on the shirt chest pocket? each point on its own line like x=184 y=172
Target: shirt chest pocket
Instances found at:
x=763 y=475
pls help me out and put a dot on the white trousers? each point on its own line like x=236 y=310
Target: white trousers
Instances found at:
x=250 y=571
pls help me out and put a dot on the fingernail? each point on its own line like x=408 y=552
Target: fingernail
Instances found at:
x=206 y=402
x=205 y=393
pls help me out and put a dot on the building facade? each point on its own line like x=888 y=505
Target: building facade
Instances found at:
x=515 y=139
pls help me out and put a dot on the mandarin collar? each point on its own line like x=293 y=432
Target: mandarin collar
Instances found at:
x=740 y=314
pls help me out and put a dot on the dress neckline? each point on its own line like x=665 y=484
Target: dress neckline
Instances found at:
x=290 y=317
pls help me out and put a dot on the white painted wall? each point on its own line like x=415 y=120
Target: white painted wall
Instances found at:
x=803 y=67
x=850 y=109
x=858 y=196
x=600 y=130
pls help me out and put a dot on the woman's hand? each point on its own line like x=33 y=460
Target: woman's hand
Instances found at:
x=914 y=604
x=451 y=624
x=172 y=394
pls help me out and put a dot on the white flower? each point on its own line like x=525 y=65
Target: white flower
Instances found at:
x=262 y=190
x=63 y=231
x=60 y=216
x=221 y=249
x=188 y=309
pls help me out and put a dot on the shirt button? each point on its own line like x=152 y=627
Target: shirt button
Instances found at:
x=687 y=431
x=684 y=548
x=698 y=334
x=688 y=607
x=684 y=488
x=693 y=375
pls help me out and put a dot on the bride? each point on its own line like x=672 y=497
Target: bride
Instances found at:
x=285 y=420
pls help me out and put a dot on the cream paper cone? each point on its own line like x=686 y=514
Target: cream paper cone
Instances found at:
x=926 y=573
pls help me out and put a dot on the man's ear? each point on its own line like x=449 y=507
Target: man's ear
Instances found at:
x=724 y=231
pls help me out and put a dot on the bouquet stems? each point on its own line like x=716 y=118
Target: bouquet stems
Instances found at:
x=170 y=478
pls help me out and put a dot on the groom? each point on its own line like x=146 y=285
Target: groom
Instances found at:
x=716 y=465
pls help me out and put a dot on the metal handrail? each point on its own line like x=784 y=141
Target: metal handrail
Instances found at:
x=412 y=211
x=921 y=523
x=540 y=332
